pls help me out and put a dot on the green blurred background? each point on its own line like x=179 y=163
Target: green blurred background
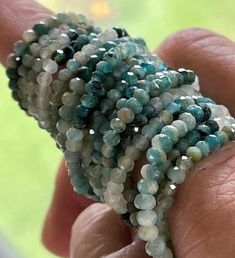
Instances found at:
x=28 y=156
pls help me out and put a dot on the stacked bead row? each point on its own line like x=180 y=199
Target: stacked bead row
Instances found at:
x=105 y=98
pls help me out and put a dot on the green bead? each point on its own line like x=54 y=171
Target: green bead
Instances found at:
x=194 y=153
x=163 y=142
x=41 y=29
x=111 y=138
x=89 y=101
x=134 y=105
x=59 y=57
x=156 y=156
x=117 y=125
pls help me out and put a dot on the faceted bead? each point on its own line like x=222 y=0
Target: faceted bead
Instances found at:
x=222 y=137
x=173 y=107
x=182 y=145
x=115 y=188
x=89 y=101
x=213 y=142
x=176 y=175
x=193 y=137
x=204 y=148
x=59 y=57
x=189 y=119
x=140 y=142
x=50 y=66
x=194 y=153
x=73 y=65
x=213 y=125
x=148 y=233
x=104 y=67
x=203 y=129
x=147 y=186
x=111 y=138
x=126 y=163
x=118 y=176
x=126 y=115
x=134 y=105
x=184 y=163
x=132 y=152
x=172 y=132
x=41 y=29
x=145 y=201
x=77 y=85
x=151 y=172
x=156 y=156
x=114 y=94
x=148 y=131
x=121 y=103
x=156 y=248
x=81 y=111
x=117 y=125
x=146 y=218
x=181 y=126
x=163 y=142
x=142 y=96
x=196 y=111
x=108 y=151
x=166 y=117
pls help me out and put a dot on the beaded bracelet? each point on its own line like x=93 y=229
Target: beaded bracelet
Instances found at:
x=106 y=99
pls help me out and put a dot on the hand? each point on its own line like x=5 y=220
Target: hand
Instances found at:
x=201 y=220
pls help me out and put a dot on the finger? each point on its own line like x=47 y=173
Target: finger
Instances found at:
x=66 y=206
x=210 y=55
x=202 y=217
x=98 y=232
x=17 y=16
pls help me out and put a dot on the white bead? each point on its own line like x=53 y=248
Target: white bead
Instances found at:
x=148 y=233
x=50 y=66
x=115 y=188
x=29 y=36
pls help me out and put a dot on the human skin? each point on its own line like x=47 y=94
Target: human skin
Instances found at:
x=201 y=220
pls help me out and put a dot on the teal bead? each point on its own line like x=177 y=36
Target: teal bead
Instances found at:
x=121 y=103
x=138 y=71
x=134 y=105
x=130 y=91
x=81 y=111
x=153 y=173
x=142 y=96
x=156 y=156
x=111 y=138
x=89 y=101
x=204 y=148
x=213 y=125
x=41 y=29
x=148 y=68
x=196 y=111
x=152 y=88
x=183 y=145
x=213 y=142
x=96 y=88
x=114 y=94
x=130 y=78
x=166 y=82
x=117 y=125
x=171 y=132
x=147 y=186
x=193 y=137
x=73 y=65
x=163 y=142
x=156 y=123
x=104 y=67
x=144 y=201
x=173 y=107
x=148 y=131
x=203 y=129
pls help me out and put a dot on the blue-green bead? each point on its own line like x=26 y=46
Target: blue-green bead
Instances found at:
x=108 y=151
x=203 y=130
x=204 y=148
x=156 y=123
x=148 y=131
x=176 y=175
x=73 y=65
x=162 y=141
x=114 y=94
x=41 y=29
x=89 y=101
x=213 y=142
x=222 y=137
x=183 y=145
x=142 y=96
x=130 y=78
x=153 y=173
x=213 y=125
x=145 y=201
x=138 y=71
x=156 y=156
x=196 y=111
x=81 y=111
x=173 y=107
x=117 y=125
x=130 y=91
x=147 y=186
x=96 y=88
x=104 y=67
x=134 y=105
x=121 y=103
x=111 y=138
x=166 y=82
x=193 y=137
x=172 y=132
x=148 y=68
x=200 y=99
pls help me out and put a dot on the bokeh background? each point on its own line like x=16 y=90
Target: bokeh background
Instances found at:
x=28 y=156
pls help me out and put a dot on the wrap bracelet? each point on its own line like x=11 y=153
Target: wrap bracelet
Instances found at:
x=107 y=100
